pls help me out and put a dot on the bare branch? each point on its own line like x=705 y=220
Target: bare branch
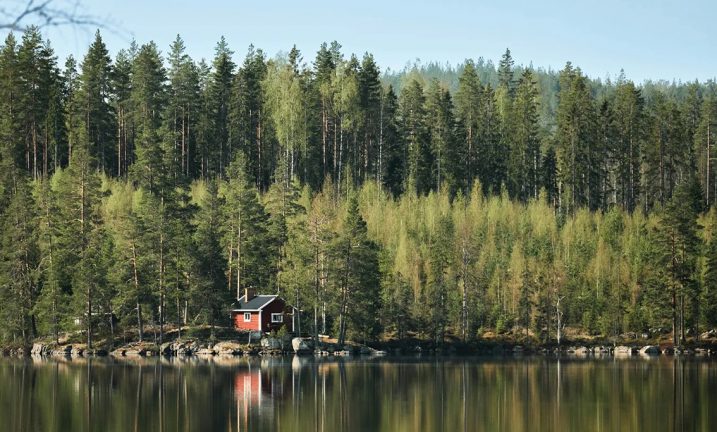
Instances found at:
x=47 y=13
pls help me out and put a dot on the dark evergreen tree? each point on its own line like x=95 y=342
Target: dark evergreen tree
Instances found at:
x=148 y=97
x=392 y=158
x=446 y=152
x=523 y=138
x=677 y=247
x=219 y=89
x=93 y=101
x=210 y=293
x=356 y=274
x=417 y=156
x=468 y=100
x=19 y=262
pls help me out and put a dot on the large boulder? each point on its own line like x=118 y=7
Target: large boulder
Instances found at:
x=184 y=347
x=39 y=349
x=581 y=351
x=205 y=352
x=62 y=351
x=227 y=348
x=271 y=343
x=301 y=345
x=650 y=350
x=167 y=349
x=623 y=351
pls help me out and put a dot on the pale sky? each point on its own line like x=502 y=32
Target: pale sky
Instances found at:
x=657 y=39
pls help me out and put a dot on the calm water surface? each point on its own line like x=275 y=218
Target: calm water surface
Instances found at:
x=388 y=394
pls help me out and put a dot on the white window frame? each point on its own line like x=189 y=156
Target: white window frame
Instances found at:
x=247 y=316
x=277 y=318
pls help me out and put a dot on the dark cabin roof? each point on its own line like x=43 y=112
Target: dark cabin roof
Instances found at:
x=256 y=303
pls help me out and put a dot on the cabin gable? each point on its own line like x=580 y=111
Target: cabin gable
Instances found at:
x=263 y=313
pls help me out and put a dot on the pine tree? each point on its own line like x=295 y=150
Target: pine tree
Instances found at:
x=121 y=101
x=392 y=168
x=181 y=112
x=447 y=155
x=93 y=96
x=250 y=258
x=356 y=277
x=11 y=148
x=369 y=89
x=708 y=300
x=80 y=233
x=440 y=284
x=579 y=154
x=468 y=100
x=523 y=129
x=219 y=91
x=148 y=97
x=348 y=119
x=491 y=152
x=506 y=78
x=327 y=60
x=209 y=293
x=248 y=118
x=417 y=152
x=704 y=143
x=678 y=245
x=131 y=271
x=52 y=302
x=625 y=154
x=19 y=261
x=33 y=98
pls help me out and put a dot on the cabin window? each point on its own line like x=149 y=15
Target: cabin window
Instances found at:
x=247 y=317
x=277 y=318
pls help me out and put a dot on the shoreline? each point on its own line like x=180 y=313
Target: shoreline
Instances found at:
x=274 y=346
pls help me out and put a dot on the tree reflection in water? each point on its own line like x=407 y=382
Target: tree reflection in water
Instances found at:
x=389 y=394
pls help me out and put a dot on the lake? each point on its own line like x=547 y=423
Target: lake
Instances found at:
x=359 y=394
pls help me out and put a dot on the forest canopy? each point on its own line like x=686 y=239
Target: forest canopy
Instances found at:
x=154 y=187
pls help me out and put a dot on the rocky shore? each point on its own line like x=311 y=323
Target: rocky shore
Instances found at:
x=281 y=345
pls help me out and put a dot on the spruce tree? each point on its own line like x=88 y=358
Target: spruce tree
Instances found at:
x=468 y=100
x=417 y=155
x=209 y=292
x=523 y=130
x=148 y=97
x=356 y=277
x=93 y=101
x=19 y=262
x=677 y=244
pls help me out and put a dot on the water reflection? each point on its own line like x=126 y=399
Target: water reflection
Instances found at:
x=407 y=394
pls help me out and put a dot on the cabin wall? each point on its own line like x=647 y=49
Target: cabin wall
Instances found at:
x=252 y=325
x=277 y=306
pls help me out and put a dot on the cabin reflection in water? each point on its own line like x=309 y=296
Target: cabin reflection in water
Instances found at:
x=256 y=387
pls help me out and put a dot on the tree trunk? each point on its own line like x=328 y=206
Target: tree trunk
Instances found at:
x=135 y=277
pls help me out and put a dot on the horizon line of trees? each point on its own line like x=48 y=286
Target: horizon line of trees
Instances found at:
x=154 y=188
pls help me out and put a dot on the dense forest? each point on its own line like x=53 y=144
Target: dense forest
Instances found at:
x=429 y=202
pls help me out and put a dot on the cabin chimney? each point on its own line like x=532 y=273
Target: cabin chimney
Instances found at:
x=248 y=294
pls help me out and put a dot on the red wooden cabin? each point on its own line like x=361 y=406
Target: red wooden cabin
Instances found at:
x=262 y=313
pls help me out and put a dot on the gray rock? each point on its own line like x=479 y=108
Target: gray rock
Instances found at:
x=581 y=351
x=227 y=348
x=167 y=348
x=271 y=343
x=650 y=350
x=623 y=350
x=205 y=352
x=39 y=349
x=300 y=345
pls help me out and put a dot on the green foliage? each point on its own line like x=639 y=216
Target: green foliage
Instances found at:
x=430 y=202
